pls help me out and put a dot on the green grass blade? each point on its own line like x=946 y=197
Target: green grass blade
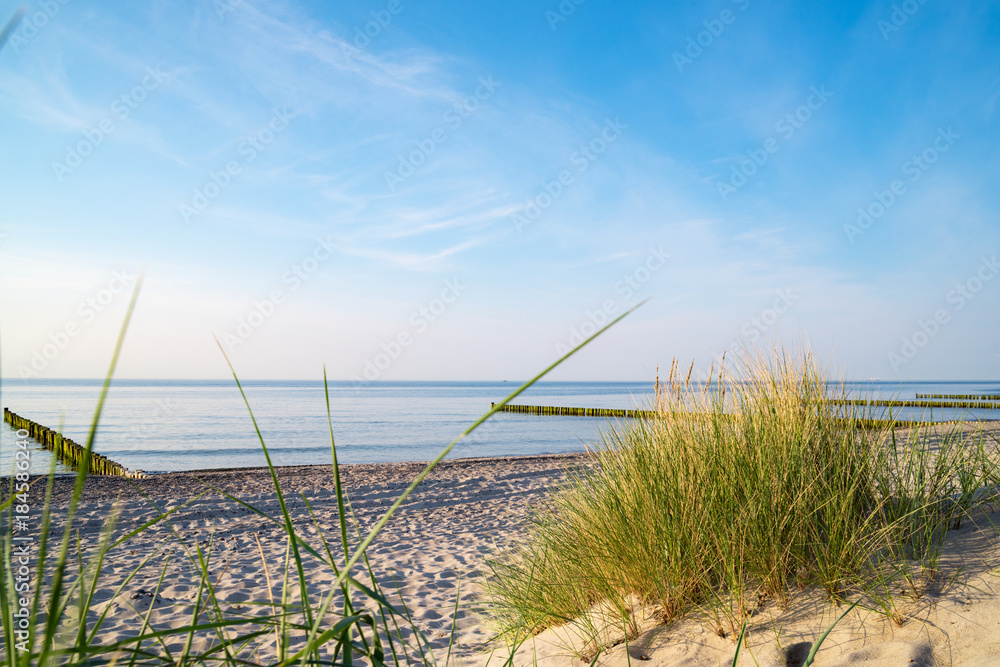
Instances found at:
x=819 y=642
x=380 y=524
x=739 y=644
x=336 y=467
x=56 y=587
x=286 y=515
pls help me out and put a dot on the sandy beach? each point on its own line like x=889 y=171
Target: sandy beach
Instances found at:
x=434 y=552
x=431 y=552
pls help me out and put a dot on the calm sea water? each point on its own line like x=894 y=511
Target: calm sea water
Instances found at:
x=164 y=425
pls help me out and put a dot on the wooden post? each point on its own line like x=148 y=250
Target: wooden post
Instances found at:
x=65 y=449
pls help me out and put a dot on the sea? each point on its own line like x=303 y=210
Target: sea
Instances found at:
x=170 y=425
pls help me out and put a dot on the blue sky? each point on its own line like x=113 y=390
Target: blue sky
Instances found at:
x=458 y=191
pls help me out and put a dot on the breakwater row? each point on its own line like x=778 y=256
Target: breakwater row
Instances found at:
x=963 y=397
x=68 y=451
x=971 y=405
x=577 y=412
x=654 y=414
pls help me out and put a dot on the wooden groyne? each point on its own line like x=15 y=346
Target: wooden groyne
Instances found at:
x=577 y=412
x=651 y=414
x=66 y=450
x=963 y=397
x=654 y=414
x=916 y=404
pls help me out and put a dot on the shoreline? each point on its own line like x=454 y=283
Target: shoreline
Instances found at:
x=986 y=424
x=316 y=477
x=464 y=459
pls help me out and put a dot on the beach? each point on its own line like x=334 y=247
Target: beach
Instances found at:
x=433 y=553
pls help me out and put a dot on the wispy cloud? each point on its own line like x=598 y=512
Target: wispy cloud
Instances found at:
x=413 y=261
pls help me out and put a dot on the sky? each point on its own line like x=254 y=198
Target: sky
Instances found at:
x=446 y=191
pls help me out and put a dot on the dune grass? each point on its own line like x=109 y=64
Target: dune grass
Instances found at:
x=741 y=492
x=354 y=622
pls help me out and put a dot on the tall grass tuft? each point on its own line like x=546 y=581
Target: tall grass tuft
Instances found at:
x=743 y=490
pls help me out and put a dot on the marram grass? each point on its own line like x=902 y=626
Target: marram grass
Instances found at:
x=739 y=493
